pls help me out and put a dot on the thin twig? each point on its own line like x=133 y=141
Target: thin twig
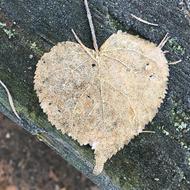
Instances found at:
x=10 y=99
x=164 y=41
x=89 y=16
x=143 y=21
x=82 y=45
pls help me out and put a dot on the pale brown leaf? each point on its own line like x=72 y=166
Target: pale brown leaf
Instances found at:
x=106 y=101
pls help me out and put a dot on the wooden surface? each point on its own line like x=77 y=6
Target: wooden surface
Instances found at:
x=151 y=161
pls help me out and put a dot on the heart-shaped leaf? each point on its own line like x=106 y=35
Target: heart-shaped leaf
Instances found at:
x=102 y=98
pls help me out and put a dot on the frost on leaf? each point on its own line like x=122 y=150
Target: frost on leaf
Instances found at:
x=104 y=99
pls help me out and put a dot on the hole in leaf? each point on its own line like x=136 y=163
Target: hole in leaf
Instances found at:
x=151 y=75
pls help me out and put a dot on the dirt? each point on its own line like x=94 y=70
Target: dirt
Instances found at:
x=27 y=164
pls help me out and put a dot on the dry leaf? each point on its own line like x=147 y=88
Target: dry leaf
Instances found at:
x=104 y=99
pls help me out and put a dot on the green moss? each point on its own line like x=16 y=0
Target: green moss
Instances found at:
x=2 y=25
x=180 y=120
x=39 y=120
x=176 y=47
x=116 y=24
x=9 y=32
x=24 y=97
x=15 y=73
x=33 y=46
x=179 y=117
x=120 y=164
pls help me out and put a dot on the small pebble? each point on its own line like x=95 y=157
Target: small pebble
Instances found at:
x=7 y=136
x=156 y=179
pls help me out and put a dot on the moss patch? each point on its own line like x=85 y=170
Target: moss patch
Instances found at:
x=7 y=30
x=176 y=47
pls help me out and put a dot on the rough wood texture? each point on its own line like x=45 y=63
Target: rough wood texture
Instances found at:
x=151 y=161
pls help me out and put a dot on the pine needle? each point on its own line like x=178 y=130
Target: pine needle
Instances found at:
x=175 y=62
x=10 y=99
x=82 y=45
x=143 y=21
x=164 y=41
